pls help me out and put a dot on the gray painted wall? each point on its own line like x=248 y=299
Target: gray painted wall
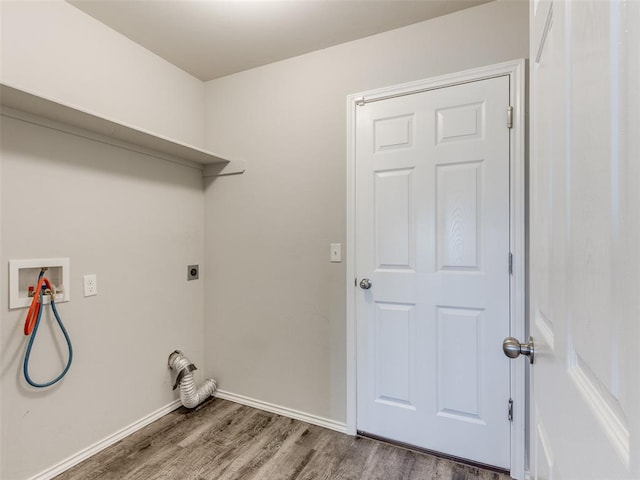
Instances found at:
x=274 y=304
x=57 y=51
x=136 y=222
x=133 y=220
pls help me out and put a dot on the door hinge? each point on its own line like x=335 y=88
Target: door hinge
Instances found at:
x=510 y=263
x=510 y=412
x=509 y=116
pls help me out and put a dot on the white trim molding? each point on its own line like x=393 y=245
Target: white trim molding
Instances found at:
x=284 y=411
x=82 y=455
x=515 y=70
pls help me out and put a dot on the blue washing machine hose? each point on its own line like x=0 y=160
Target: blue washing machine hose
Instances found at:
x=27 y=355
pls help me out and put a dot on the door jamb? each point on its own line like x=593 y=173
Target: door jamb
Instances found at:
x=515 y=70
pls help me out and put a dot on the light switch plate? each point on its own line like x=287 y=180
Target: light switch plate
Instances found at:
x=336 y=253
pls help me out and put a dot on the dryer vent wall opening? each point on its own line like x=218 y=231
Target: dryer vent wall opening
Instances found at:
x=190 y=395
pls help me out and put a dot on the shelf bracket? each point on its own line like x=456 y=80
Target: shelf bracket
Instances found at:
x=234 y=167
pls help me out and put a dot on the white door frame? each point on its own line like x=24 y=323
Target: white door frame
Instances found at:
x=518 y=323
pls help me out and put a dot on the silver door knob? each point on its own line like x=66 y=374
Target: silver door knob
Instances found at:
x=512 y=348
x=365 y=284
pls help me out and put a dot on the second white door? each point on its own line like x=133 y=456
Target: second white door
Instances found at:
x=432 y=237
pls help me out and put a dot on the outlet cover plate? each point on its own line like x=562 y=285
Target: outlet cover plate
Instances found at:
x=193 y=272
x=90 y=285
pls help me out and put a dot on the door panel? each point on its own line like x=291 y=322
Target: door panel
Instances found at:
x=462 y=328
x=432 y=232
x=395 y=355
x=458 y=204
x=585 y=230
x=394 y=224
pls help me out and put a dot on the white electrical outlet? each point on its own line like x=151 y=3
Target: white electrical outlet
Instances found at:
x=90 y=285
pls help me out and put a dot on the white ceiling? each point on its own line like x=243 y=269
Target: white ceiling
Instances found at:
x=213 y=38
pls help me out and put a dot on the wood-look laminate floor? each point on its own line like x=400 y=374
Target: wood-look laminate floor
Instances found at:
x=222 y=440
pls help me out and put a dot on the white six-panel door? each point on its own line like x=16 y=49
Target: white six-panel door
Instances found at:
x=585 y=240
x=432 y=236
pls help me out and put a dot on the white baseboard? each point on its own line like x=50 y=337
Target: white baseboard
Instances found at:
x=284 y=411
x=51 y=472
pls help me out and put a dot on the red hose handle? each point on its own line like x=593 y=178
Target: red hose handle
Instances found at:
x=34 y=309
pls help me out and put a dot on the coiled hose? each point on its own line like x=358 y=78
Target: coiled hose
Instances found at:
x=190 y=396
x=31 y=328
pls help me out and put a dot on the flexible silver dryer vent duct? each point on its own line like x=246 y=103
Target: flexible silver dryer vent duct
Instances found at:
x=190 y=396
